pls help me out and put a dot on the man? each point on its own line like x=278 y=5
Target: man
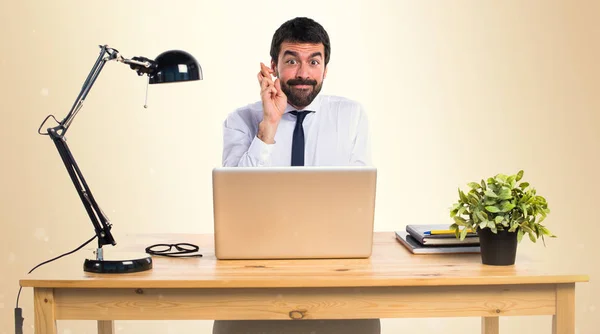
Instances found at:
x=293 y=125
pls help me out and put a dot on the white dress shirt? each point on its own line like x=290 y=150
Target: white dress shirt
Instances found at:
x=336 y=133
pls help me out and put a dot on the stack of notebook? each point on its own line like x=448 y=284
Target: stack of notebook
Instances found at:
x=436 y=239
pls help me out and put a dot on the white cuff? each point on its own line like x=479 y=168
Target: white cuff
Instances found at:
x=260 y=152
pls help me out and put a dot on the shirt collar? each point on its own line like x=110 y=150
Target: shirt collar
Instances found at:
x=314 y=106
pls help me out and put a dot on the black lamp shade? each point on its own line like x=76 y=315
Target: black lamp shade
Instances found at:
x=175 y=66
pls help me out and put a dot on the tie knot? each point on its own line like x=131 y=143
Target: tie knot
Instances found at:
x=300 y=115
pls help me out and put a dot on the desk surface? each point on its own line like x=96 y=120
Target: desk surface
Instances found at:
x=390 y=265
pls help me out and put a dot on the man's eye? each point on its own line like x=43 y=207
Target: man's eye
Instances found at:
x=314 y=62
x=291 y=62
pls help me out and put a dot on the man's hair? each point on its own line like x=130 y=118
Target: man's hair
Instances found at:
x=300 y=30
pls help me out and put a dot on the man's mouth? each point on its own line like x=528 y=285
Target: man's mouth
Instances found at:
x=302 y=83
x=302 y=86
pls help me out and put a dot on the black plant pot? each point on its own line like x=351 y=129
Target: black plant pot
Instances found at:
x=497 y=249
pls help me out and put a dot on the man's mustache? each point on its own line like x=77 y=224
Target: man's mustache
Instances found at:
x=295 y=82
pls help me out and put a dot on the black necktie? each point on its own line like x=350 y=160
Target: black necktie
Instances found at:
x=298 y=139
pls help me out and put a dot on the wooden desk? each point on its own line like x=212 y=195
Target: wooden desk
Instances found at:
x=391 y=284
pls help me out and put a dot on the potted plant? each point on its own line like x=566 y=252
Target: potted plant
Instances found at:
x=501 y=210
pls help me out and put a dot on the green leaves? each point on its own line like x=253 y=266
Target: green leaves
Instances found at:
x=505 y=193
x=462 y=196
x=492 y=209
x=519 y=235
x=501 y=202
x=545 y=231
x=473 y=199
x=506 y=206
x=474 y=185
x=460 y=221
x=454 y=227
x=463 y=233
x=482 y=216
x=519 y=175
x=490 y=193
x=531 y=237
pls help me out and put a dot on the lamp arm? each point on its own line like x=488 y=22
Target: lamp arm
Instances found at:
x=141 y=65
x=106 y=54
x=101 y=223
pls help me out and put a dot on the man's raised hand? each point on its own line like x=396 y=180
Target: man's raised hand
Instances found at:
x=274 y=102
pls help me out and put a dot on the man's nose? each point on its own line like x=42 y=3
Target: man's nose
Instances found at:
x=302 y=71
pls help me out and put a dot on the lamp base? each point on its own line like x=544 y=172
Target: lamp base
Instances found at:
x=131 y=264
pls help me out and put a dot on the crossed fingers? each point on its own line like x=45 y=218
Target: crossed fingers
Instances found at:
x=266 y=82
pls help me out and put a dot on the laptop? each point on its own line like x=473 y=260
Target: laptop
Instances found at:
x=293 y=212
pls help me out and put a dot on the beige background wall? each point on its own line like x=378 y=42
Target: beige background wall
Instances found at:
x=455 y=91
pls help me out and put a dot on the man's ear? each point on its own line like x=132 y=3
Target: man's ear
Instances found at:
x=325 y=72
x=274 y=68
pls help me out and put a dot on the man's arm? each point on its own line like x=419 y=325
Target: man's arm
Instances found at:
x=361 y=151
x=246 y=144
x=241 y=146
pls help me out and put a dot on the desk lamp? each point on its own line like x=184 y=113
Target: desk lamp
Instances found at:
x=169 y=66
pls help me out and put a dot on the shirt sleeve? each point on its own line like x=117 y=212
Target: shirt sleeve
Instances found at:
x=361 y=150
x=241 y=146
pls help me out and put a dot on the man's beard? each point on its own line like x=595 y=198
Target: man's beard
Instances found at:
x=300 y=98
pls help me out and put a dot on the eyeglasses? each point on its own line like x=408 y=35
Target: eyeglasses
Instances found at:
x=183 y=249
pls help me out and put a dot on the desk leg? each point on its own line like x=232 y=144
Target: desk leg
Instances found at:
x=490 y=325
x=106 y=327
x=563 y=322
x=43 y=306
